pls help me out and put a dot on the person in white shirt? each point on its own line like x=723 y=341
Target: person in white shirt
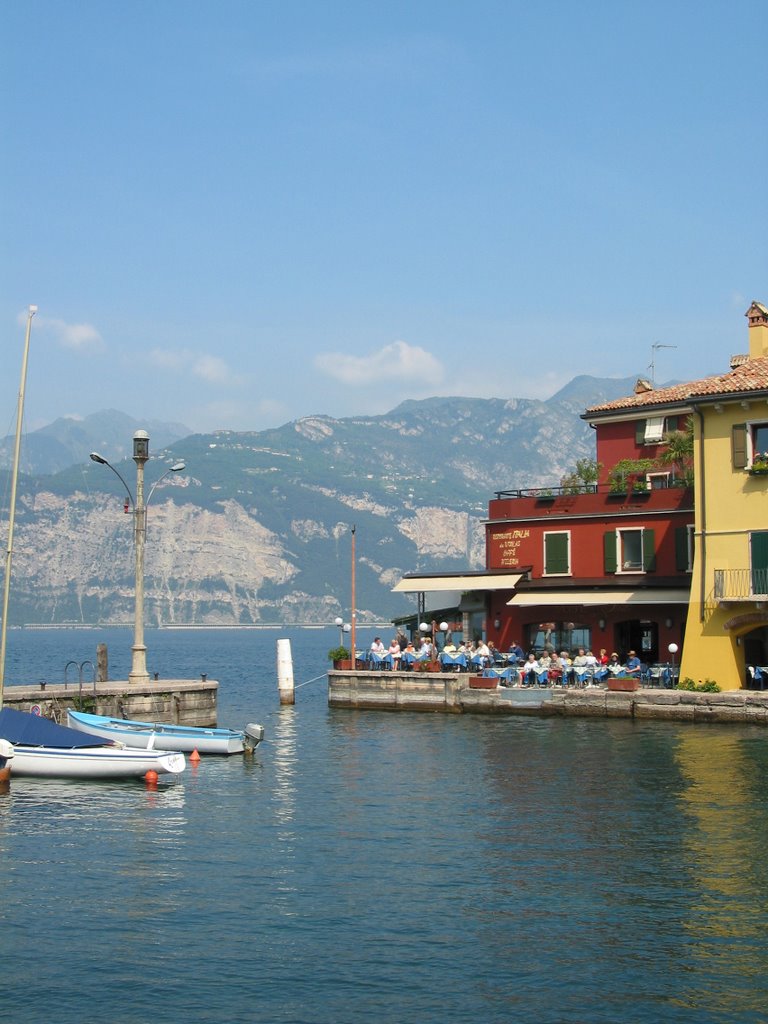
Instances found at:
x=377 y=647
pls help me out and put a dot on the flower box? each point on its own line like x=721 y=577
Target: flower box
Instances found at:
x=343 y=664
x=625 y=684
x=758 y=471
x=483 y=683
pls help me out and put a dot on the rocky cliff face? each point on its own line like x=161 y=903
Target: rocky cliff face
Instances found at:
x=257 y=529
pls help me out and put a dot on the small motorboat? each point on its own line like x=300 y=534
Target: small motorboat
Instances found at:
x=44 y=749
x=185 y=738
x=6 y=756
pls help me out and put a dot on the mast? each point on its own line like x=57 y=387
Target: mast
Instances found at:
x=12 y=513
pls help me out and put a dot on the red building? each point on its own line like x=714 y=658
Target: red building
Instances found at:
x=601 y=565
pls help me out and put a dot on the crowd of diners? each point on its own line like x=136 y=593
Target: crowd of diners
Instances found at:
x=546 y=668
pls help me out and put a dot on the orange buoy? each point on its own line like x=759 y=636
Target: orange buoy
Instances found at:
x=194 y=756
x=151 y=777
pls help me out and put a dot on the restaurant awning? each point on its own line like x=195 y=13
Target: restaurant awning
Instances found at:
x=461 y=582
x=551 y=598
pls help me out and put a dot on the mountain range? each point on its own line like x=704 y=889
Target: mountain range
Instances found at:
x=256 y=529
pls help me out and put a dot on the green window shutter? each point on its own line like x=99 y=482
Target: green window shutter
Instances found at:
x=640 y=432
x=609 y=551
x=649 y=551
x=739 y=445
x=681 y=549
x=556 y=553
x=758 y=543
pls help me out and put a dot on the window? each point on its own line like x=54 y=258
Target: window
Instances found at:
x=653 y=429
x=749 y=441
x=657 y=481
x=557 y=553
x=629 y=550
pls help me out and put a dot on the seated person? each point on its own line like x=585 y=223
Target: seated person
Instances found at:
x=634 y=665
x=425 y=650
x=529 y=670
x=377 y=647
x=394 y=651
x=483 y=653
x=516 y=652
x=545 y=661
x=450 y=647
x=614 y=666
x=565 y=665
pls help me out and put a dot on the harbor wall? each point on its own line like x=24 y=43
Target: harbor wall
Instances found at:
x=453 y=693
x=170 y=701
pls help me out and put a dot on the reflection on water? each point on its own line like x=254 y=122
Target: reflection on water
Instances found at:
x=386 y=867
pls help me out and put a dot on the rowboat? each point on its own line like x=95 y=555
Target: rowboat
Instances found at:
x=44 y=749
x=186 y=738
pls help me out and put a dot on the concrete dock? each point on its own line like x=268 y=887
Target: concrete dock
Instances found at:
x=176 y=701
x=452 y=693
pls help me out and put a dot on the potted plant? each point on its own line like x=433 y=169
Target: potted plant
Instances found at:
x=340 y=658
x=759 y=465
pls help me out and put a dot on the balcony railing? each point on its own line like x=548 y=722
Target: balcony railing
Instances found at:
x=631 y=487
x=741 y=584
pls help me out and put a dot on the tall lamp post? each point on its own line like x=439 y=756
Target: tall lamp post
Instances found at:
x=138 y=673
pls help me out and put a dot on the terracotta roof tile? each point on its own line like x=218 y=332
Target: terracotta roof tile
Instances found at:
x=751 y=376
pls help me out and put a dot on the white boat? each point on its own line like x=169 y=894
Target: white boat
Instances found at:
x=186 y=738
x=43 y=748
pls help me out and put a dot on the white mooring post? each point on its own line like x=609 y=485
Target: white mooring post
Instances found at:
x=285 y=672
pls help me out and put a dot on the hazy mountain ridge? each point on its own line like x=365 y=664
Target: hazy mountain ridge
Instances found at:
x=257 y=528
x=61 y=444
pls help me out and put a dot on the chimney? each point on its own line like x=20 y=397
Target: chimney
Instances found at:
x=642 y=386
x=757 y=318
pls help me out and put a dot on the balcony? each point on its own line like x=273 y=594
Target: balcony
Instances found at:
x=589 y=500
x=741 y=585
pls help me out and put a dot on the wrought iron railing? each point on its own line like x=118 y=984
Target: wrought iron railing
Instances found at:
x=568 y=490
x=741 y=584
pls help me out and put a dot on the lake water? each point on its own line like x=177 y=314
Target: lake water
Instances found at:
x=369 y=866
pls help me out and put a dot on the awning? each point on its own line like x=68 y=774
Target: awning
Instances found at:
x=551 y=598
x=459 y=582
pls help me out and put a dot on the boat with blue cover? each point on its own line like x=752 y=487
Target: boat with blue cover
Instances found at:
x=44 y=749
x=186 y=738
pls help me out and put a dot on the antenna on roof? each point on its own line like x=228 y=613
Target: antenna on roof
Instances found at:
x=652 y=365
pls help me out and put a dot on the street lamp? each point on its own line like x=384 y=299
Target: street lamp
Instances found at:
x=673 y=649
x=339 y=622
x=138 y=673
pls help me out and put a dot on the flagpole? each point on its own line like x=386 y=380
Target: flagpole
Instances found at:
x=353 y=619
x=12 y=514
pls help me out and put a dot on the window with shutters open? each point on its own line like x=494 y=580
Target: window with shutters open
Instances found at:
x=629 y=550
x=749 y=445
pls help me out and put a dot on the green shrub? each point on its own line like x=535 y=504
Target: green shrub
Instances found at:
x=708 y=686
x=338 y=654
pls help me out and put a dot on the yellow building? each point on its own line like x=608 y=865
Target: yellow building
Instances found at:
x=726 y=636
x=726 y=633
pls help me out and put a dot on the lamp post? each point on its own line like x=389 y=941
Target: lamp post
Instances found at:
x=339 y=622
x=673 y=649
x=138 y=673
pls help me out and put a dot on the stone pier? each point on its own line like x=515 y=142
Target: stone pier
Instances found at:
x=456 y=693
x=175 y=701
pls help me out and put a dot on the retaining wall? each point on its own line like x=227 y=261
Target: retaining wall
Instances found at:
x=451 y=693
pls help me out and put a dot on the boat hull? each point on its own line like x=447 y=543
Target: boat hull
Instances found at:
x=93 y=762
x=148 y=735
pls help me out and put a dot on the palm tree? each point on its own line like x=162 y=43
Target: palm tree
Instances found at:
x=678 y=453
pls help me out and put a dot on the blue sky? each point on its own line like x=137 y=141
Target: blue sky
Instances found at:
x=232 y=214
